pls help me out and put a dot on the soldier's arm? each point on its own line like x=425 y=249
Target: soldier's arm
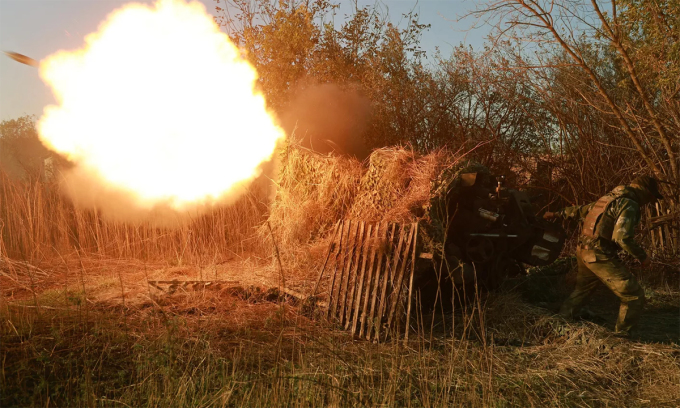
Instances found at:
x=577 y=212
x=624 y=230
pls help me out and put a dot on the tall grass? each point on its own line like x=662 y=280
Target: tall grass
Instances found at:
x=165 y=354
x=315 y=191
x=61 y=346
x=37 y=221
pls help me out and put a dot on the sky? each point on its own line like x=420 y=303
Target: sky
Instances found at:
x=38 y=28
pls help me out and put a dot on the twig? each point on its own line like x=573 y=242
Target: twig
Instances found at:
x=282 y=281
x=328 y=255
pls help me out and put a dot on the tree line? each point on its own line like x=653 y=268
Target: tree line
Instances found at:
x=586 y=90
x=570 y=97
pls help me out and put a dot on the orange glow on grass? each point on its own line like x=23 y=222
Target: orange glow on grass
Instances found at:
x=161 y=106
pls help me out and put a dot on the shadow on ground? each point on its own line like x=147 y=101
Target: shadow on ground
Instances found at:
x=547 y=287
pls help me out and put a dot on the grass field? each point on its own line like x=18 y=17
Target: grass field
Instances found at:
x=92 y=332
x=82 y=324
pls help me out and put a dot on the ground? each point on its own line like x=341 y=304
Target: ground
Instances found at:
x=95 y=332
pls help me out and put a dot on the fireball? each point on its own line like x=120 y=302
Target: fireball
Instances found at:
x=160 y=106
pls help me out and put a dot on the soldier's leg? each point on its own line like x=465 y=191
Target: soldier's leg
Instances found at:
x=618 y=278
x=586 y=282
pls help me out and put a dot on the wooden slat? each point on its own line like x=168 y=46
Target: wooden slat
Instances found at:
x=369 y=275
x=667 y=228
x=352 y=278
x=331 y=247
x=675 y=229
x=653 y=235
x=356 y=307
x=342 y=296
x=399 y=279
x=376 y=285
x=374 y=249
x=332 y=304
x=386 y=277
x=662 y=241
x=346 y=244
x=409 y=300
x=331 y=283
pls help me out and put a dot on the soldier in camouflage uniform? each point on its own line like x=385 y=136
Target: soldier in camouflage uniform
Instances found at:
x=608 y=226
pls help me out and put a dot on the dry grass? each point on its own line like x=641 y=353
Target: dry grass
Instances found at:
x=316 y=191
x=74 y=344
x=38 y=222
x=398 y=183
x=313 y=192
x=81 y=326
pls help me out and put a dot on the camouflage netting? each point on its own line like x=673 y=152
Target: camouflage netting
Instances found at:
x=398 y=185
x=385 y=180
x=314 y=191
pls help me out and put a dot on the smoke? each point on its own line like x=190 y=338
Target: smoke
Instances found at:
x=327 y=118
x=116 y=204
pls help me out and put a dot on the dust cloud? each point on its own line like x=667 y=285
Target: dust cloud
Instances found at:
x=327 y=118
x=86 y=191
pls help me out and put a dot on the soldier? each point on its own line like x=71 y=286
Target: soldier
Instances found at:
x=608 y=226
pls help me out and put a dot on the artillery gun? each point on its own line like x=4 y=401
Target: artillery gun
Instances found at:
x=490 y=230
x=474 y=232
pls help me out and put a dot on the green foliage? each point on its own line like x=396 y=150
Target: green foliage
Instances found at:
x=293 y=47
x=464 y=100
x=651 y=30
x=571 y=105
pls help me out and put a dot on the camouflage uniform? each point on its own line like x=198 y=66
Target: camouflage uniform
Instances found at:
x=597 y=254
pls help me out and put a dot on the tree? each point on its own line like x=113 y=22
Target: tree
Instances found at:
x=591 y=40
x=294 y=48
x=21 y=152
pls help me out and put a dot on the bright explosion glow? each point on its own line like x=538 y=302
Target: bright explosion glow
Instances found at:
x=160 y=105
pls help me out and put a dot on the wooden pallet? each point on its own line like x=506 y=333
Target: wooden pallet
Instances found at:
x=370 y=277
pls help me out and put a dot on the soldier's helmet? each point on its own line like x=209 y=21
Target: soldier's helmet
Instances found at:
x=649 y=184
